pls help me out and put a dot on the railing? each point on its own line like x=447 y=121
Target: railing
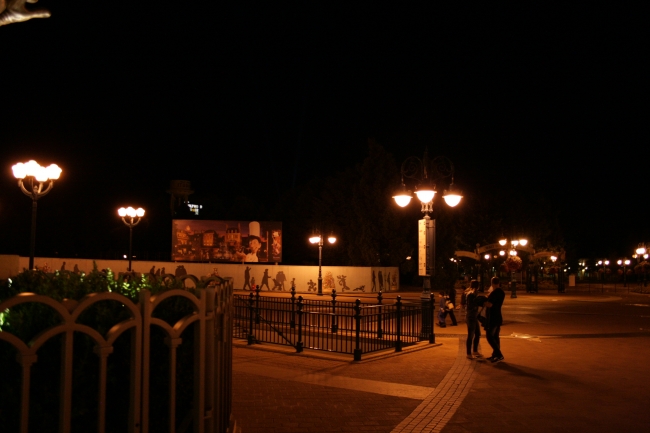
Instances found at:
x=211 y=394
x=344 y=327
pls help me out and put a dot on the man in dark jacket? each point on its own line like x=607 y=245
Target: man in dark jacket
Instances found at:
x=495 y=320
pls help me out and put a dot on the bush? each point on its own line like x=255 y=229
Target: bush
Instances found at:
x=26 y=321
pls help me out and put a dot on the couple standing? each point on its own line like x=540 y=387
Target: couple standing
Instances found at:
x=475 y=304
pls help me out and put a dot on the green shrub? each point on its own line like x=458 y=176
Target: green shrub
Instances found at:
x=26 y=321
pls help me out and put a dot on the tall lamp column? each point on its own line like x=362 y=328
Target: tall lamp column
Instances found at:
x=424 y=172
x=318 y=239
x=131 y=217
x=35 y=181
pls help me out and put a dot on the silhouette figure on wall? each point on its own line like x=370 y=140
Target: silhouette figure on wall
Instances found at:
x=381 y=281
x=280 y=278
x=247 y=278
x=374 y=284
x=76 y=269
x=342 y=283
x=265 y=280
x=180 y=271
x=63 y=266
x=328 y=281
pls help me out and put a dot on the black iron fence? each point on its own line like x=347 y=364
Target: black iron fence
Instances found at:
x=332 y=325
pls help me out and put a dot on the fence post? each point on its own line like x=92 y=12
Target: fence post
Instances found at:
x=292 y=323
x=398 y=306
x=357 y=326
x=380 y=332
x=251 y=308
x=335 y=325
x=299 y=344
x=432 y=303
x=257 y=304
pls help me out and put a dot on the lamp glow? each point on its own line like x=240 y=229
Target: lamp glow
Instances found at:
x=452 y=199
x=641 y=249
x=425 y=195
x=402 y=200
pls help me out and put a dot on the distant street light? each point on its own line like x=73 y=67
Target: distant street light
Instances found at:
x=603 y=264
x=641 y=256
x=131 y=217
x=625 y=263
x=514 y=243
x=318 y=239
x=35 y=181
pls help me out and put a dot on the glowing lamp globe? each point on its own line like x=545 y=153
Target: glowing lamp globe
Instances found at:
x=425 y=194
x=452 y=199
x=402 y=200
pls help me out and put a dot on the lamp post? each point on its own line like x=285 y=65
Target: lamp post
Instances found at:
x=603 y=269
x=642 y=253
x=560 y=276
x=514 y=243
x=131 y=217
x=318 y=239
x=625 y=263
x=424 y=172
x=35 y=181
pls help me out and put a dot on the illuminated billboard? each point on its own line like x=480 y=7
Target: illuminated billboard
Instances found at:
x=227 y=241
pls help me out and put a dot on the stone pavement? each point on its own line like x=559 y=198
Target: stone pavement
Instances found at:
x=574 y=373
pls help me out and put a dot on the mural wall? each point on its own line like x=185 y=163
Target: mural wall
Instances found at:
x=270 y=277
x=227 y=241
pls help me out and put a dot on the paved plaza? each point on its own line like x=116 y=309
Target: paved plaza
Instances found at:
x=574 y=362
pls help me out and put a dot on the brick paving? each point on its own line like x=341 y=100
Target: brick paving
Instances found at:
x=579 y=372
x=438 y=407
x=280 y=391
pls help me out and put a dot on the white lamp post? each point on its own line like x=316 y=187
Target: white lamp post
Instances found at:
x=131 y=217
x=35 y=181
x=318 y=239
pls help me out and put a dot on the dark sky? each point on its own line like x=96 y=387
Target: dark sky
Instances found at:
x=250 y=99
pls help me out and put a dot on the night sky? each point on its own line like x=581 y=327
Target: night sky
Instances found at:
x=254 y=99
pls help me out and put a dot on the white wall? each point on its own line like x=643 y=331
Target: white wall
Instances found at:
x=355 y=277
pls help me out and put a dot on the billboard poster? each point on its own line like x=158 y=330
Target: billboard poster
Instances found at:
x=227 y=241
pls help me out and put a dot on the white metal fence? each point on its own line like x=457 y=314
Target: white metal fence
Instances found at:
x=211 y=317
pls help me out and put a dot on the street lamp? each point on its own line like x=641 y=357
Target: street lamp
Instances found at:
x=625 y=263
x=603 y=269
x=131 y=217
x=514 y=243
x=35 y=181
x=642 y=253
x=425 y=172
x=318 y=239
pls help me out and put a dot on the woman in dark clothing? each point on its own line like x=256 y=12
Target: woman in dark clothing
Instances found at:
x=473 y=328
